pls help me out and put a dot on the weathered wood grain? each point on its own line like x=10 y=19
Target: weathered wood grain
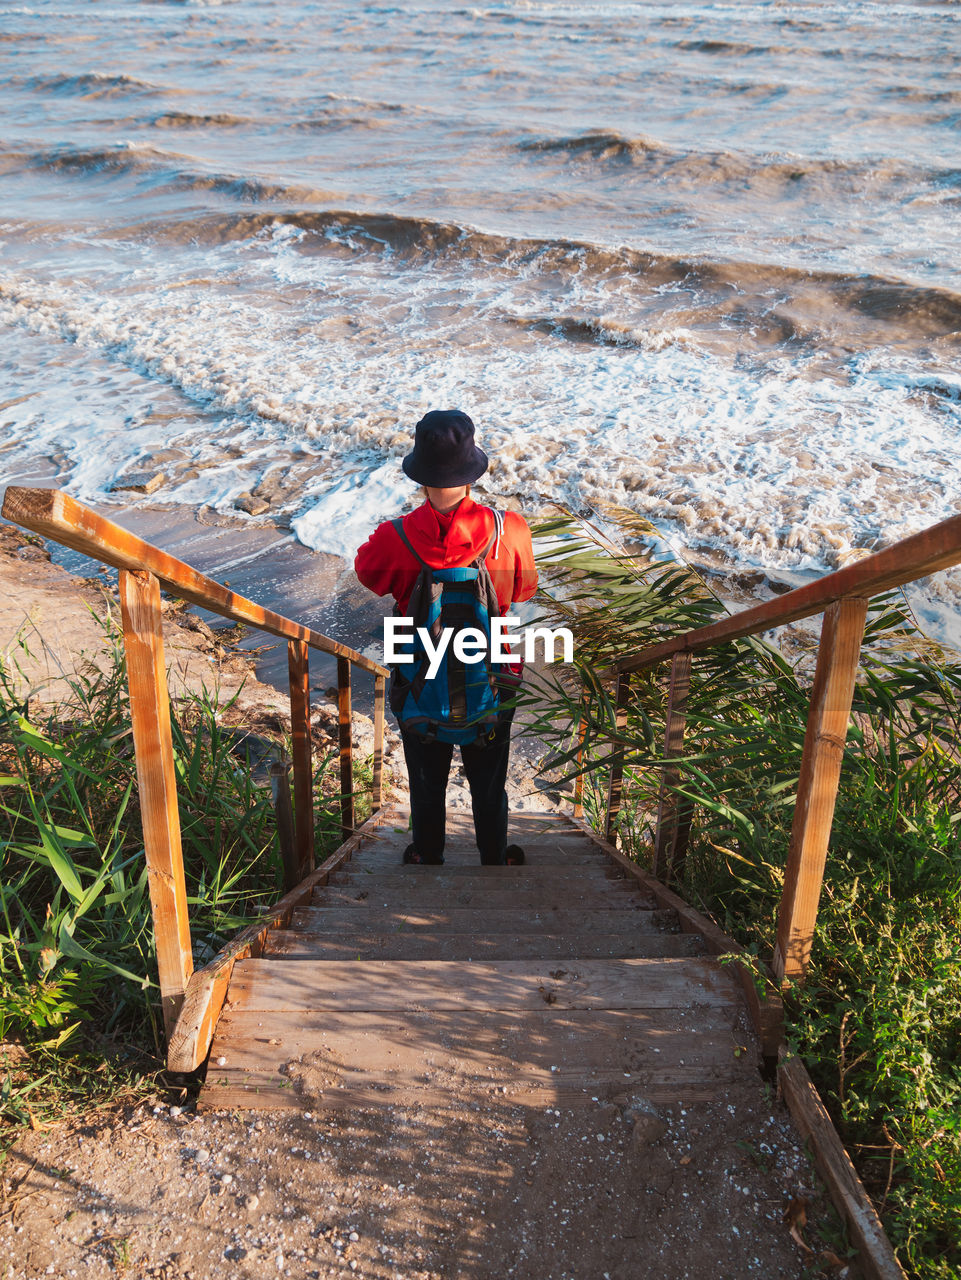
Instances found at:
x=261 y=1092
x=188 y=1042
x=424 y=944
x=876 y=1260
x=157 y=781
x=615 y=784
x=839 y=656
x=763 y=1000
x=673 y=816
x=377 y=780
x=323 y=920
x=298 y=669
x=392 y=1055
x=346 y=748
x=356 y=986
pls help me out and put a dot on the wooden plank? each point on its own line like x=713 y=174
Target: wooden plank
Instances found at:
x=615 y=782
x=763 y=1000
x=549 y=893
x=323 y=920
x=876 y=1259
x=284 y=816
x=469 y=879
x=299 y=674
x=673 y=819
x=423 y=944
x=464 y=860
x=377 y=782
x=55 y=515
x=839 y=656
x=157 y=781
x=935 y=548
x=579 y=778
x=376 y=863
x=270 y=986
x=550 y=897
x=461 y=1051
x=346 y=748
x=191 y=1037
x=188 y=1043
x=261 y=1093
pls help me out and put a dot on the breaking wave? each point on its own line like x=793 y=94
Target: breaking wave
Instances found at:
x=701 y=167
x=94 y=84
x=792 y=304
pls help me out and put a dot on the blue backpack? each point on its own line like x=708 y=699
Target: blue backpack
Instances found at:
x=460 y=703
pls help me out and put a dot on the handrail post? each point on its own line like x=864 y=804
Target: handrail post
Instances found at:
x=298 y=668
x=284 y=814
x=157 y=781
x=673 y=816
x=838 y=659
x=579 y=780
x=346 y=748
x=615 y=785
x=377 y=782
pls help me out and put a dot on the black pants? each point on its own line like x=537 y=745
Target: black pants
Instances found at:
x=428 y=764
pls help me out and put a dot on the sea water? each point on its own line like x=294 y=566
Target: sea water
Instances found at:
x=699 y=260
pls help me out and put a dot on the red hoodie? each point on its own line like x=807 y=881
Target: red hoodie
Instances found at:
x=446 y=540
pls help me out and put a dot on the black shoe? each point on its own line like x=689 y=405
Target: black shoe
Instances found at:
x=514 y=856
x=412 y=856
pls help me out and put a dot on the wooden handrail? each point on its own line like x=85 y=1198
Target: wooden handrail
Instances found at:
x=923 y=553
x=55 y=515
x=143 y=569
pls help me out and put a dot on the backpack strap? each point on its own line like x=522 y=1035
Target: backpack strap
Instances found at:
x=399 y=527
x=498 y=530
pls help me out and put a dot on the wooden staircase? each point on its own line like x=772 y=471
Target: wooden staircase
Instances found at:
x=561 y=981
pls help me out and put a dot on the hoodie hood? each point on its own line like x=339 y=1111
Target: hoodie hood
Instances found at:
x=455 y=538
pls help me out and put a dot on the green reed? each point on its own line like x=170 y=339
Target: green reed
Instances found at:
x=878 y=1019
x=79 y=1003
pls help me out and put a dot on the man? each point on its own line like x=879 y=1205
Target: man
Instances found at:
x=451 y=530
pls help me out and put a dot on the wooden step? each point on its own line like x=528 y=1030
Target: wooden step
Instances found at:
x=347 y=919
x=381 y=985
x=472 y=879
x=534 y=1057
x=427 y=944
x=427 y=896
x=584 y=868
x=468 y=861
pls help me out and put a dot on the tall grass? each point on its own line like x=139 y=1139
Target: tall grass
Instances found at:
x=79 y=1006
x=878 y=1020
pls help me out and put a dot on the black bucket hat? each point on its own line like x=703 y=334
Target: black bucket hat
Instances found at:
x=444 y=453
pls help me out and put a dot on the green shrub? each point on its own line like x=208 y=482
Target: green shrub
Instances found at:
x=77 y=955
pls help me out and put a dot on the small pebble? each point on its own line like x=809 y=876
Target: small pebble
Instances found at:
x=226 y=1179
x=353 y=1236
x=202 y=1156
x=221 y=1062
x=251 y=1202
